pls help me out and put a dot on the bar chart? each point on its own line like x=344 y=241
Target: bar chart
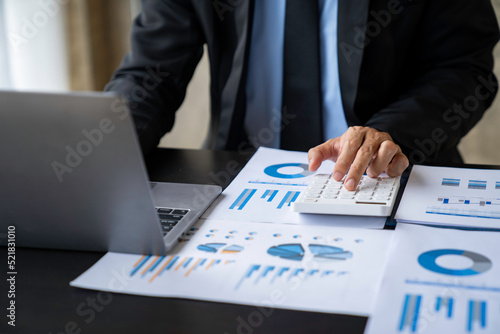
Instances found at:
x=450 y=182
x=475 y=311
x=477 y=184
x=445 y=305
x=280 y=199
x=290 y=197
x=434 y=286
x=151 y=267
x=476 y=315
x=258 y=274
x=247 y=268
x=269 y=195
x=474 y=184
x=410 y=312
x=466 y=206
x=243 y=199
x=452 y=196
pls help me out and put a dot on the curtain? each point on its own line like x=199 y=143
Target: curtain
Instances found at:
x=54 y=45
x=98 y=38
x=4 y=61
x=33 y=45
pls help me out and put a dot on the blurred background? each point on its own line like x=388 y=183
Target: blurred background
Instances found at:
x=75 y=45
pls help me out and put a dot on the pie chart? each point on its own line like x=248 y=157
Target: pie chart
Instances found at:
x=480 y=262
x=288 y=251
x=325 y=252
x=215 y=247
x=274 y=171
x=320 y=252
x=211 y=248
x=232 y=249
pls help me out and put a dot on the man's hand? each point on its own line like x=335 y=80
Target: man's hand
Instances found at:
x=356 y=150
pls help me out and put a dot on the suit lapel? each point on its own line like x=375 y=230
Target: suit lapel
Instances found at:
x=352 y=18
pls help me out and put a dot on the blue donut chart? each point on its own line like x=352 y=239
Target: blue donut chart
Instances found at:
x=481 y=262
x=273 y=171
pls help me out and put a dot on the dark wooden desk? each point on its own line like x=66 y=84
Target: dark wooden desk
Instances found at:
x=45 y=303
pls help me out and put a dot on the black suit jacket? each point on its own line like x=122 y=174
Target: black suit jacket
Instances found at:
x=420 y=70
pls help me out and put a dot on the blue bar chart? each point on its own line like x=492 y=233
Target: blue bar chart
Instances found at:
x=476 y=315
x=290 y=197
x=257 y=274
x=283 y=198
x=450 y=182
x=472 y=184
x=466 y=206
x=243 y=199
x=476 y=312
x=445 y=304
x=477 y=184
x=463 y=213
x=269 y=195
x=410 y=312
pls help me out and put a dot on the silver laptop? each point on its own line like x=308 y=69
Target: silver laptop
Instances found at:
x=72 y=177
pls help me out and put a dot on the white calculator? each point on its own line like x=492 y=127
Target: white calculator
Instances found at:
x=372 y=197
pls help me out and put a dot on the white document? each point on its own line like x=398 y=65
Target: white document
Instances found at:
x=452 y=196
x=324 y=269
x=439 y=281
x=268 y=184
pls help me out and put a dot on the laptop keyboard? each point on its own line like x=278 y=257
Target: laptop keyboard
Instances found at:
x=169 y=218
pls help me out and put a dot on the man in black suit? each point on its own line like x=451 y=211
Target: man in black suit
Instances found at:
x=412 y=76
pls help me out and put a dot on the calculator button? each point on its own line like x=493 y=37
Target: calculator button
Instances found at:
x=369 y=181
x=330 y=196
x=366 y=192
x=364 y=197
x=312 y=196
